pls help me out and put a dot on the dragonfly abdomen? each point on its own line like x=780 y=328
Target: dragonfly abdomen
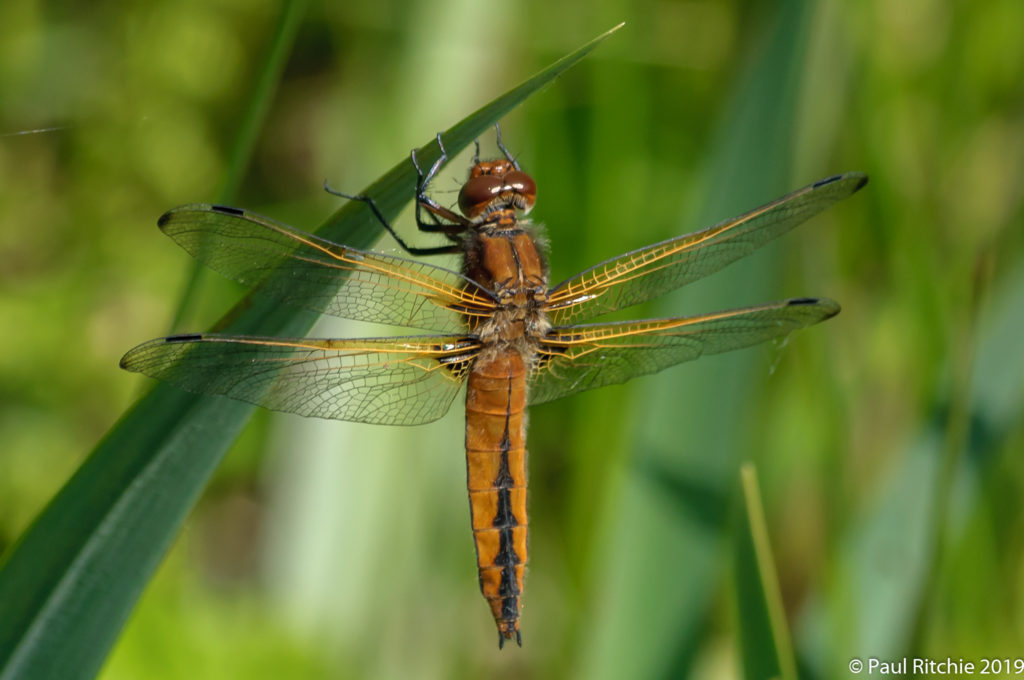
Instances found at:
x=496 y=479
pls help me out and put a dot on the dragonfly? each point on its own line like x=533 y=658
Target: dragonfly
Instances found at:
x=497 y=326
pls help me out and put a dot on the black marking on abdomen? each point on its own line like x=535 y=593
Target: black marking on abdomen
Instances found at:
x=509 y=590
x=504 y=478
x=505 y=520
x=507 y=556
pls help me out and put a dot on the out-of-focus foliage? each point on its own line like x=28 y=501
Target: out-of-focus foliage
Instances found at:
x=888 y=441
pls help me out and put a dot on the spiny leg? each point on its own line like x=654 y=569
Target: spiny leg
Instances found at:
x=456 y=223
x=421 y=180
x=501 y=146
x=412 y=250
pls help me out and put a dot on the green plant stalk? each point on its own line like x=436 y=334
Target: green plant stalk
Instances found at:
x=71 y=580
x=768 y=580
x=953 y=445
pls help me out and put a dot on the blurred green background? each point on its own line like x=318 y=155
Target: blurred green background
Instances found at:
x=887 y=440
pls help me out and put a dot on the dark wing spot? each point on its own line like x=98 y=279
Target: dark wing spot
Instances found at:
x=227 y=210
x=188 y=337
x=802 y=301
x=828 y=180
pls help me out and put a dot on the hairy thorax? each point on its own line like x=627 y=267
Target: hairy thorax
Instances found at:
x=504 y=255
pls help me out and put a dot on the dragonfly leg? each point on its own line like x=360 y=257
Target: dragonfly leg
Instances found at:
x=423 y=180
x=501 y=146
x=412 y=250
x=436 y=212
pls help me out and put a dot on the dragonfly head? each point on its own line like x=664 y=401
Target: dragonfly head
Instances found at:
x=496 y=185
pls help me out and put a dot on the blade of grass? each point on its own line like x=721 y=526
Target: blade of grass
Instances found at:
x=957 y=429
x=287 y=25
x=765 y=646
x=69 y=584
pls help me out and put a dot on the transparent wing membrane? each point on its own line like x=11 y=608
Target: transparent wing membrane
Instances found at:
x=579 y=358
x=643 y=274
x=387 y=381
x=305 y=270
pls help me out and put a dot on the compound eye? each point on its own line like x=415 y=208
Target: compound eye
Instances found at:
x=523 y=185
x=477 y=193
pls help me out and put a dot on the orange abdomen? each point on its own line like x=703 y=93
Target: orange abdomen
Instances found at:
x=496 y=477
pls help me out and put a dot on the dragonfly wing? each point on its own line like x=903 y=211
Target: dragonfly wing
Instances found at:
x=640 y=275
x=388 y=381
x=578 y=358
x=311 y=272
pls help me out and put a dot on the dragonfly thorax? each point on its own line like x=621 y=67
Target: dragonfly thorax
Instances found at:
x=519 y=329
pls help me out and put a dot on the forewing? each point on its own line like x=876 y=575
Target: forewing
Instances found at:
x=311 y=272
x=640 y=275
x=387 y=381
x=578 y=358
